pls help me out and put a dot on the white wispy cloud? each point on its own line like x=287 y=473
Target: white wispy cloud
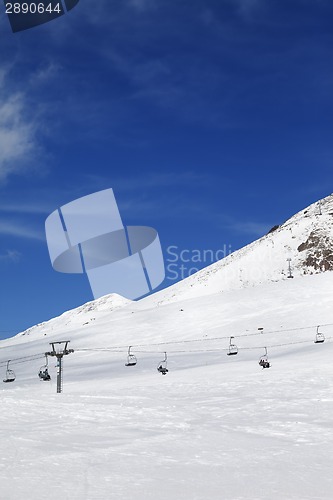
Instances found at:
x=149 y=180
x=141 y=5
x=25 y=208
x=10 y=256
x=17 y=136
x=45 y=73
x=246 y=7
x=97 y=12
x=21 y=121
x=18 y=143
x=20 y=230
x=251 y=227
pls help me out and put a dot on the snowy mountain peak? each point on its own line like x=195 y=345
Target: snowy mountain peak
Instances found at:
x=310 y=241
x=300 y=246
x=303 y=245
x=80 y=316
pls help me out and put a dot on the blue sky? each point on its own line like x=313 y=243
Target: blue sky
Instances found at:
x=211 y=120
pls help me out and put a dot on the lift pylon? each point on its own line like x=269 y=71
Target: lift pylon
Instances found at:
x=59 y=350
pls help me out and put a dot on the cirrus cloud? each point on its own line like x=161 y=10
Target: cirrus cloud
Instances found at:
x=10 y=256
x=17 y=137
x=19 y=125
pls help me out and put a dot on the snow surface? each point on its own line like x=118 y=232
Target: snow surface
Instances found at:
x=215 y=426
x=266 y=259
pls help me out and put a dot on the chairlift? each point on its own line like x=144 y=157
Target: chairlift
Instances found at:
x=10 y=374
x=320 y=337
x=263 y=361
x=131 y=359
x=162 y=366
x=233 y=349
x=43 y=373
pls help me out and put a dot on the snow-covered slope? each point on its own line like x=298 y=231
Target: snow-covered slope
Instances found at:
x=306 y=239
x=76 y=318
x=215 y=426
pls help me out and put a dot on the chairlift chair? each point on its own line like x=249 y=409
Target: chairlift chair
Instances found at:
x=162 y=366
x=10 y=374
x=43 y=373
x=320 y=337
x=263 y=361
x=233 y=349
x=131 y=359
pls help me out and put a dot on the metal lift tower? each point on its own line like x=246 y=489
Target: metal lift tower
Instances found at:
x=59 y=350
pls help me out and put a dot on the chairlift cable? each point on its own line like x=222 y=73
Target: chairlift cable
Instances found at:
x=23 y=359
x=122 y=349
x=136 y=347
x=211 y=339
x=184 y=351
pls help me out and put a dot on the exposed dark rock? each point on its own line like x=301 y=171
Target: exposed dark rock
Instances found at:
x=274 y=228
x=319 y=253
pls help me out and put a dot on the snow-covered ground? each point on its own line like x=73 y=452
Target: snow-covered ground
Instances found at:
x=215 y=427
